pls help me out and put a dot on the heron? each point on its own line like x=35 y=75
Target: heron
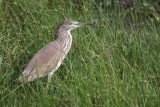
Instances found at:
x=49 y=58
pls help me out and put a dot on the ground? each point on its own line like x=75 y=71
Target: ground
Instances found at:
x=114 y=63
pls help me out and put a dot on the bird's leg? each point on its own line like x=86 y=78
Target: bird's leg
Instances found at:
x=49 y=74
x=50 y=77
x=49 y=81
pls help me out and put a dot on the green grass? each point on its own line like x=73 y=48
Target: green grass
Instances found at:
x=114 y=63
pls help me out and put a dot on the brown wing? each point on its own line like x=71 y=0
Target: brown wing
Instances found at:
x=43 y=62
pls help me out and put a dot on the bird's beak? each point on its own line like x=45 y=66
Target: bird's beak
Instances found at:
x=83 y=24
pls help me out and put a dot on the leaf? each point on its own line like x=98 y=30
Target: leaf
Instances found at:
x=0 y=62
x=145 y=4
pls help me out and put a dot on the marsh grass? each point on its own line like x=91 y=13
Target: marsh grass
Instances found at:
x=114 y=63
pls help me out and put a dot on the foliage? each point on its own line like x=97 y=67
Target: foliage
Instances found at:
x=115 y=63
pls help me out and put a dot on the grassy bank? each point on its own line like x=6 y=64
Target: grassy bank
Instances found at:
x=114 y=63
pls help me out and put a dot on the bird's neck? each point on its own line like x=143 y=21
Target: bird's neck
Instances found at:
x=65 y=40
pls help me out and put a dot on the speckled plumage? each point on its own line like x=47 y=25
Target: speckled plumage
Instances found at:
x=49 y=58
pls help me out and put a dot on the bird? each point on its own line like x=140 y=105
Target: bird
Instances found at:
x=49 y=58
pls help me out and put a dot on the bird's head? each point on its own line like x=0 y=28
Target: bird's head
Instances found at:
x=69 y=24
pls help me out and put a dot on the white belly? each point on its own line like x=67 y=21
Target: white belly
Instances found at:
x=58 y=65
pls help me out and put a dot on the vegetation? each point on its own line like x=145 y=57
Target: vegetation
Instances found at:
x=114 y=63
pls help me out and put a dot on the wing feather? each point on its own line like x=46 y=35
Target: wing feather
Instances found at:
x=45 y=60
